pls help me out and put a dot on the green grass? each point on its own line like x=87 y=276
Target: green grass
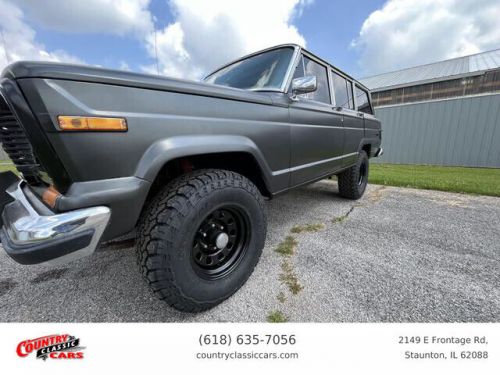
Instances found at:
x=307 y=228
x=289 y=278
x=287 y=246
x=484 y=181
x=276 y=317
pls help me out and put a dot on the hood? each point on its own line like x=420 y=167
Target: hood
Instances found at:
x=51 y=70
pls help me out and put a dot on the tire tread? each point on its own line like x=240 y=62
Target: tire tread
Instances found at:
x=161 y=221
x=348 y=180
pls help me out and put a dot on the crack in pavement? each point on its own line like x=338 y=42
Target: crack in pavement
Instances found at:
x=373 y=197
x=343 y=217
x=286 y=248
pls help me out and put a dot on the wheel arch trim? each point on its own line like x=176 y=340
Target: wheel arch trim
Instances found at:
x=372 y=142
x=165 y=150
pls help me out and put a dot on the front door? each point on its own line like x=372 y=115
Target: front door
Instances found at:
x=317 y=133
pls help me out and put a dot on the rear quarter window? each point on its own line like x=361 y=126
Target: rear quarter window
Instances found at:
x=362 y=101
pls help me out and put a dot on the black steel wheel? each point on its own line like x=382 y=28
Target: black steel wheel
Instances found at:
x=220 y=242
x=201 y=237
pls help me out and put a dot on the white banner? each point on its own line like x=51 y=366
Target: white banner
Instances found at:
x=250 y=348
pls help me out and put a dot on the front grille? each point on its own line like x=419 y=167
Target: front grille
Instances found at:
x=16 y=145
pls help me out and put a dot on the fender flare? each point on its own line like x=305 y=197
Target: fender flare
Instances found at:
x=372 y=142
x=167 y=149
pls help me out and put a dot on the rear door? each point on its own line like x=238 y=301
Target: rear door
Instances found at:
x=317 y=132
x=352 y=120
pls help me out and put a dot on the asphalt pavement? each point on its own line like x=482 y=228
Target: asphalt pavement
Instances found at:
x=396 y=255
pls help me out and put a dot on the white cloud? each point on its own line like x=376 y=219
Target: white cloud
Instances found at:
x=124 y=66
x=17 y=40
x=406 y=33
x=206 y=34
x=118 y=17
x=203 y=35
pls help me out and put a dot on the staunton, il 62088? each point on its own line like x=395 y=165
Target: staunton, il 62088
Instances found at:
x=186 y=165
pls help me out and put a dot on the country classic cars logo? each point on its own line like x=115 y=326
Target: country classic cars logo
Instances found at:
x=53 y=346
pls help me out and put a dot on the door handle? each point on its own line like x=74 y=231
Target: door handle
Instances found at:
x=360 y=114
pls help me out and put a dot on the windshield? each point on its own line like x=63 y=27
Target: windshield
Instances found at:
x=265 y=71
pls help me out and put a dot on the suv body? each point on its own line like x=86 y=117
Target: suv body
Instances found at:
x=268 y=122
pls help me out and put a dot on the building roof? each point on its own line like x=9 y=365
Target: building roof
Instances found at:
x=438 y=71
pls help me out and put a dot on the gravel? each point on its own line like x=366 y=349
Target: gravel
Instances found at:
x=396 y=255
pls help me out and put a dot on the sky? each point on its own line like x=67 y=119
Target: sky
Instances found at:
x=193 y=37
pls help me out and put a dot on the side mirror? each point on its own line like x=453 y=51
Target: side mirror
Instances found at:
x=303 y=85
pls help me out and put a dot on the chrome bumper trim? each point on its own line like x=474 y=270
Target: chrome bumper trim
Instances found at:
x=379 y=152
x=25 y=226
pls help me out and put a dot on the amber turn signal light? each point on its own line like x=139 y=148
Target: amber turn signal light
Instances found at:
x=92 y=123
x=50 y=196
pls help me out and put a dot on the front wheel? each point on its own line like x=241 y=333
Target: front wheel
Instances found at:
x=352 y=182
x=201 y=238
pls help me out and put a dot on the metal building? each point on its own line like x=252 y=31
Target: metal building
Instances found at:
x=444 y=113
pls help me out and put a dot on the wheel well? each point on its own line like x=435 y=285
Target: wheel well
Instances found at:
x=367 y=148
x=239 y=162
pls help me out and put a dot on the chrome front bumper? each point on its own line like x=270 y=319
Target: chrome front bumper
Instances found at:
x=30 y=237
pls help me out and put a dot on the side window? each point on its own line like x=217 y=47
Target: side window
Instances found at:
x=312 y=68
x=342 y=90
x=362 y=101
x=308 y=67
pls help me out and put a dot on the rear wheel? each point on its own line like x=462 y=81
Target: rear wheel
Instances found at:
x=352 y=182
x=201 y=238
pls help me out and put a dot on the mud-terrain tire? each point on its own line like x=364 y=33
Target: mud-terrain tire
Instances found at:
x=352 y=182
x=200 y=238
